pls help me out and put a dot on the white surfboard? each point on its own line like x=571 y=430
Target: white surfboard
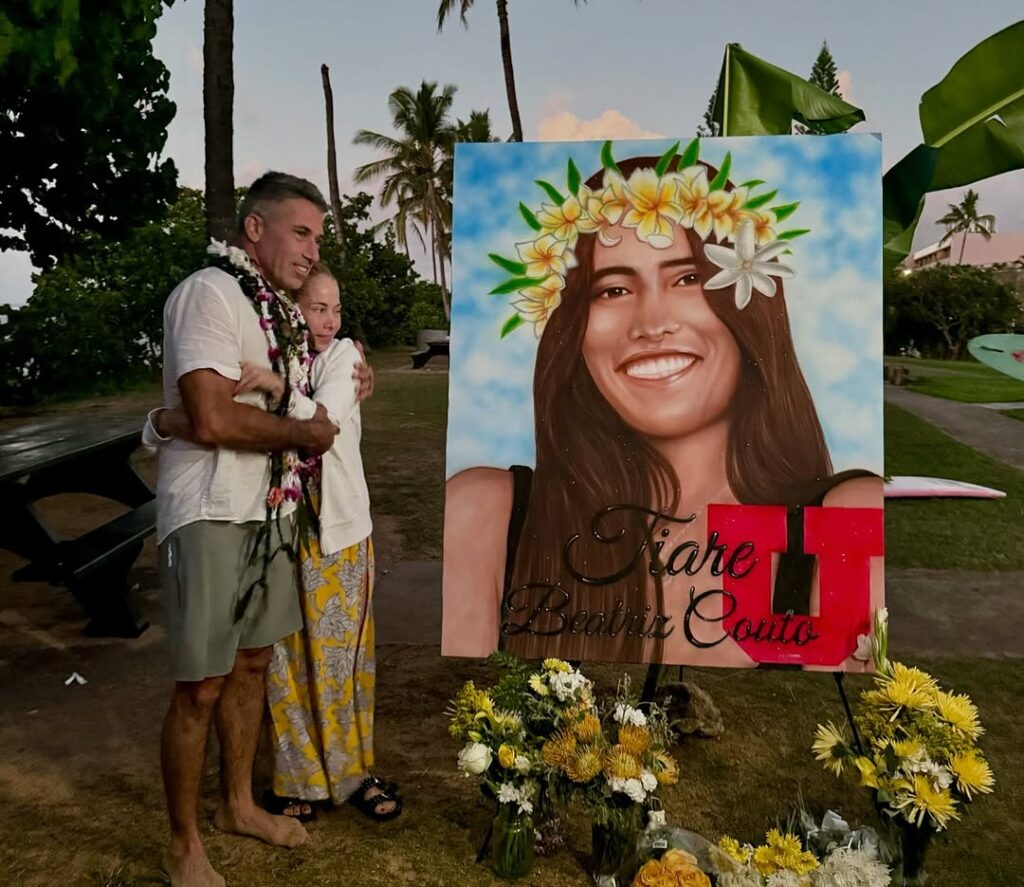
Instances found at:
x=925 y=487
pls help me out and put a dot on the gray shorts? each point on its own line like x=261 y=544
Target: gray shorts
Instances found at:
x=206 y=573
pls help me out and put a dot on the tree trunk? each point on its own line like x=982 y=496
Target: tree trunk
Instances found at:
x=510 y=80
x=445 y=301
x=433 y=248
x=963 y=246
x=332 y=163
x=218 y=102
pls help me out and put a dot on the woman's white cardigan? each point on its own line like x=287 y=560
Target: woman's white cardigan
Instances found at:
x=344 y=499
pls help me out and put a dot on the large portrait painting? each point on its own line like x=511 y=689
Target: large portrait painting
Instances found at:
x=665 y=407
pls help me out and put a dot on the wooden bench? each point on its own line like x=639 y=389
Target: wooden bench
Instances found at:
x=95 y=568
x=429 y=343
x=78 y=454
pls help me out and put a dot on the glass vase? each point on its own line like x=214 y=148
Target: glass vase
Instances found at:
x=614 y=843
x=914 y=844
x=512 y=843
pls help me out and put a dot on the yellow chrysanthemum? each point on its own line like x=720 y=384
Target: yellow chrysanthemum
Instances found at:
x=506 y=756
x=634 y=739
x=620 y=764
x=559 y=749
x=783 y=851
x=584 y=765
x=790 y=854
x=959 y=712
x=912 y=675
x=538 y=686
x=907 y=748
x=588 y=728
x=665 y=768
x=654 y=210
x=735 y=850
x=972 y=774
x=557 y=665
x=925 y=801
x=764 y=861
x=830 y=747
x=567 y=221
x=905 y=687
x=536 y=304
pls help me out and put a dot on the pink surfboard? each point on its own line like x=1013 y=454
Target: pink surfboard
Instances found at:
x=926 y=487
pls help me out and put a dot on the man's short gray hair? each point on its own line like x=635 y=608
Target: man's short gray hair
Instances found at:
x=276 y=187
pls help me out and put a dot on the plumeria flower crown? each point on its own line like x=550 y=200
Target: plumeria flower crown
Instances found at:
x=653 y=202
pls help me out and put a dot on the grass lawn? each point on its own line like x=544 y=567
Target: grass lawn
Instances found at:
x=403 y=451
x=965 y=380
x=1014 y=414
x=967 y=534
x=971 y=387
x=960 y=366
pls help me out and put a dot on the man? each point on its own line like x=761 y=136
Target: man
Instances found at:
x=226 y=608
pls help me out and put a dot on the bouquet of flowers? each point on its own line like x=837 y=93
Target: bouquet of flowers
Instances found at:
x=609 y=760
x=497 y=749
x=919 y=752
x=782 y=861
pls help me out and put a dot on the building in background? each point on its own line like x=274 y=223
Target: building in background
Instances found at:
x=998 y=249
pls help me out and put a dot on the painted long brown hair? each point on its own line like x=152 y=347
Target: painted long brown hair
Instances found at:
x=588 y=458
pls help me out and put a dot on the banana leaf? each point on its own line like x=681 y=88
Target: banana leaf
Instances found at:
x=755 y=97
x=973 y=126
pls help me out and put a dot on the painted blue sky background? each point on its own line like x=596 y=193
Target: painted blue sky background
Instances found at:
x=834 y=302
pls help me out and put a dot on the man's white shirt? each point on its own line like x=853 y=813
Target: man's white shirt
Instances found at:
x=209 y=323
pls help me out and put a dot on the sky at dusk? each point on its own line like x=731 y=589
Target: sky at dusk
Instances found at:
x=607 y=69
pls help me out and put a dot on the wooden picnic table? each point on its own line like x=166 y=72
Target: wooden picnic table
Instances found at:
x=78 y=454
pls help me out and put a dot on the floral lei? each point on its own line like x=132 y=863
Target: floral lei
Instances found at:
x=653 y=201
x=288 y=351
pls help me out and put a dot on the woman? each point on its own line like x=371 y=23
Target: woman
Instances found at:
x=320 y=684
x=663 y=382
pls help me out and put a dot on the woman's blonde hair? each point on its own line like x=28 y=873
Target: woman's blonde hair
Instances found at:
x=319 y=269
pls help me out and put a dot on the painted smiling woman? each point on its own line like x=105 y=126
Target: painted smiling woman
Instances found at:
x=667 y=400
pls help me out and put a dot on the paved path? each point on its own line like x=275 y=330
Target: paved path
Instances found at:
x=984 y=430
x=1017 y=405
x=932 y=612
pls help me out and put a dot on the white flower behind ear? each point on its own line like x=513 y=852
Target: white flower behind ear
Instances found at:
x=747 y=267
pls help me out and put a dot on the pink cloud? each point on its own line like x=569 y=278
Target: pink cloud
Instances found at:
x=564 y=126
x=845 y=78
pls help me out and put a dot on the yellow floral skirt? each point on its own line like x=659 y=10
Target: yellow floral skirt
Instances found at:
x=320 y=684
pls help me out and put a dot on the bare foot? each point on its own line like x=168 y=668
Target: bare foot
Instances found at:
x=190 y=869
x=281 y=831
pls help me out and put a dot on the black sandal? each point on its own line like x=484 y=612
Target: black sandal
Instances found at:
x=387 y=793
x=278 y=806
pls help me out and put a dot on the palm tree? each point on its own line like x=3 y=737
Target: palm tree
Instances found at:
x=963 y=218
x=415 y=165
x=218 y=100
x=446 y=7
